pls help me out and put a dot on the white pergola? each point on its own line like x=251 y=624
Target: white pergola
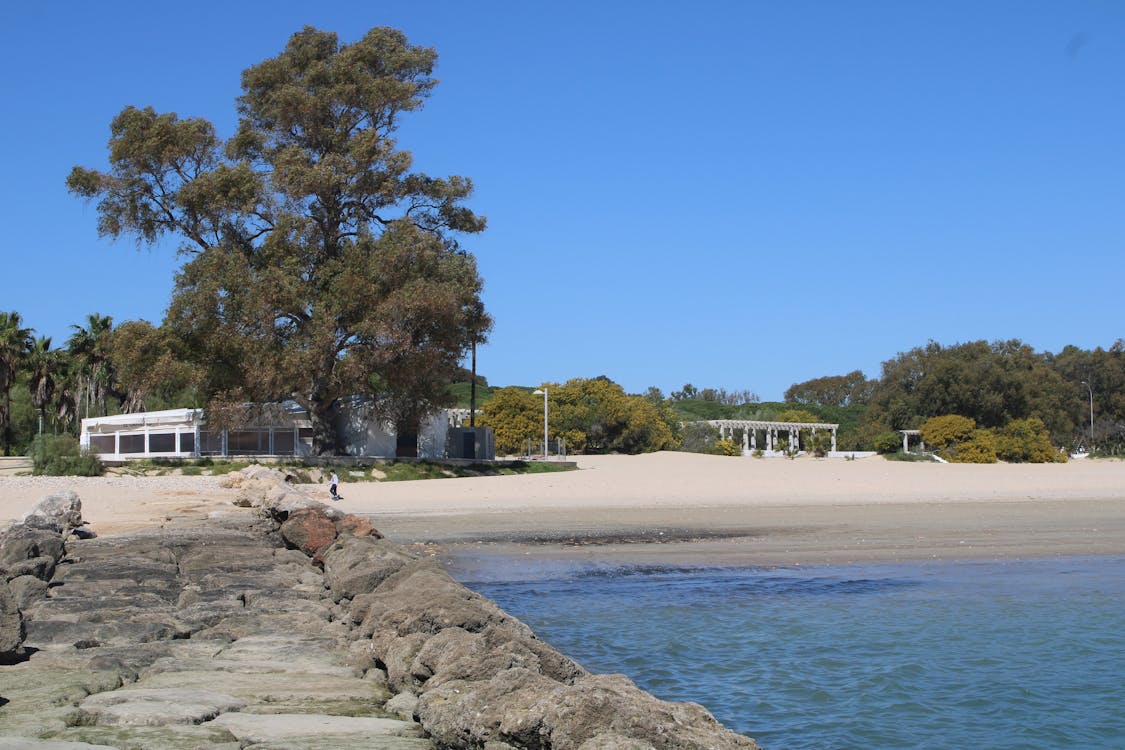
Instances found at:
x=751 y=427
x=907 y=434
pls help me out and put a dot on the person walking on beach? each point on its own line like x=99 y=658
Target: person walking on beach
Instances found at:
x=335 y=480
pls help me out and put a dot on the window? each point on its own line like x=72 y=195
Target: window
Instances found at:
x=247 y=441
x=103 y=444
x=187 y=442
x=283 y=442
x=132 y=443
x=162 y=442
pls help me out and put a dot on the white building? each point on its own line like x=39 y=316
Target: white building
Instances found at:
x=282 y=430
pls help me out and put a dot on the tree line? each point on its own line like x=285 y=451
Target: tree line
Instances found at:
x=99 y=370
x=996 y=385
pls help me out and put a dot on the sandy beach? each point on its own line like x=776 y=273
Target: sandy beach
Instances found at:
x=688 y=508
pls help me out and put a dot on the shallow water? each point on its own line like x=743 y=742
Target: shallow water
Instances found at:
x=1019 y=654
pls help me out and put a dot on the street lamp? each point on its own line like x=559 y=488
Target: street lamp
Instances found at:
x=543 y=393
x=1091 y=390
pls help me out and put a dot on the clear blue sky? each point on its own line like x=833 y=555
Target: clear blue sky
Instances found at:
x=735 y=194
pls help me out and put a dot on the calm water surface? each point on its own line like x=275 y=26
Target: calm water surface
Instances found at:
x=1020 y=654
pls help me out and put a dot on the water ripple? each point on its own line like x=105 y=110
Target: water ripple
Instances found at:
x=990 y=655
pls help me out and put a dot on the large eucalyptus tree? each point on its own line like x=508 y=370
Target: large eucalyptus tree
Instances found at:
x=317 y=261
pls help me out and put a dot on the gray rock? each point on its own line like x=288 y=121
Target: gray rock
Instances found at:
x=59 y=513
x=524 y=709
x=357 y=565
x=402 y=705
x=22 y=542
x=42 y=567
x=156 y=707
x=423 y=598
x=11 y=627
x=27 y=590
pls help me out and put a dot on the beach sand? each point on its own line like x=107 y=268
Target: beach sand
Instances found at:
x=680 y=508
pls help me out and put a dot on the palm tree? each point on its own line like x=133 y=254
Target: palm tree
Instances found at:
x=89 y=351
x=42 y=377
x=66 y=395
x=15 y=341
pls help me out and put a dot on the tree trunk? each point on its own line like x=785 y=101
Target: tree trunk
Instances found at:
x=7 y=425
x=325 y=440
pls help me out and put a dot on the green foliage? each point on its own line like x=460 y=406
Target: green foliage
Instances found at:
x=593 y=415
x=908 y=457
x=797 y=415
x=991 y=384
x=460 y=394
x=59 y=455
x=701 y=411
x=945 y=431
x=15 y=344
x=698 y=437
x=315 y=256
x=820 y=444
x=978 y=448
x=833 y=390
x=145 y=366
x=404 y=471
x=888 y=442
x=514 y=414
x=1027 y=441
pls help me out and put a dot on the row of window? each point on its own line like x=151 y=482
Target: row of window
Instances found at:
x=210 y=443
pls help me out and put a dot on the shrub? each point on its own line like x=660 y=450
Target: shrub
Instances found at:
x=820 y=443
x=725 y=448
x=1026 y=441
x=887 y=442
x=979 y=448
x=59 y=455
x=699 y=437
x=946 y=431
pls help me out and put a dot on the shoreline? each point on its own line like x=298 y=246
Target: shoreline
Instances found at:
x=685 y=509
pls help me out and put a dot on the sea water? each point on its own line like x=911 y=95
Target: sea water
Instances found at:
x=1015 y=654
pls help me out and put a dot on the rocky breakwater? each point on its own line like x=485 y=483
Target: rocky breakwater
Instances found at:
x=296 y=626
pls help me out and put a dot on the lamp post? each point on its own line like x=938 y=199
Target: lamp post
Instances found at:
x=543 y=393
x=1091 y=390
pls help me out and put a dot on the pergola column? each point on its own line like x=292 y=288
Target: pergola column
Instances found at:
x=905 y=442
x=745 y=438
x=833 y=439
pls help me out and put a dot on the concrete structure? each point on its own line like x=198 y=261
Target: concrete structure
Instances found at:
x=907 y=434
x=771 y=433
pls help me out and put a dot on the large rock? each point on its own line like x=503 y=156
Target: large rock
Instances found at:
x=527 y=710
x=21 y=543
x=61 y=513
x=423 y=598
x=11 y=627
x=351 y=525
x=308 y=531
x=357 y=565
x=27 y=590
